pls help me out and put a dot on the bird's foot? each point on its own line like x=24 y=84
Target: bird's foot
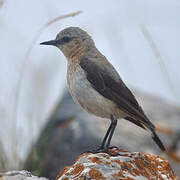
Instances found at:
x=112 y=151
x=113 y=147
x=104 y=150
x=94 y=151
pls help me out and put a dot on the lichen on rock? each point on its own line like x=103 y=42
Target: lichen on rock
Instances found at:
x=126 y=166
x=19 y=175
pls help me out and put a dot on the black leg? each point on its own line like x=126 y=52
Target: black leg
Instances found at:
x=114 y=123
x=109 y=133
x=106 y=136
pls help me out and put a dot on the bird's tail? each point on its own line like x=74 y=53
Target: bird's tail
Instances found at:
x=157 y=141
x=149 y=127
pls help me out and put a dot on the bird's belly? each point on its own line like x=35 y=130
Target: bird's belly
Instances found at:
x=88 y=98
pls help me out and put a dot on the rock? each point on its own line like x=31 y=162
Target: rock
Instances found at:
x=71 y=131
x=127 y=165
x=19 y=175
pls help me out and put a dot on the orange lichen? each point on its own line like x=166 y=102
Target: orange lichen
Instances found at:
x=136 y=164
x=132 y=173
x=133 y=154
x=139 y=163
x=95 y=160
x=124 y=155
x=128 y=178
x=122 y=150
x=63 y=172
x=77 y=169
x=124 y=165
x=136 y=171
x=149 y=165
x=129 y=165
x=116 y=161
x=80 y=156
x=105 y=155
x=164 y=166
x=119 y=174
x=96 y=174
x=114 y=151
x=107 y=163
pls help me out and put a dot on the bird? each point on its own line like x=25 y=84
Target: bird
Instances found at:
x=96 y=86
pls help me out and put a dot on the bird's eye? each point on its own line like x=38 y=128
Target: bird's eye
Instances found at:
x=66 y=39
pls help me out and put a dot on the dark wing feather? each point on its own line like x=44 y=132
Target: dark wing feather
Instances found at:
x=130 y=119
x=113 y=89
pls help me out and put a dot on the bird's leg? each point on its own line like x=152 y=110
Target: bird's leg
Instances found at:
x=106 y=136
x=101 y=148
x=114 y=123
x=109 y=133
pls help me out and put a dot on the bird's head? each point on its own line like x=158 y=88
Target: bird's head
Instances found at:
x=71 y=41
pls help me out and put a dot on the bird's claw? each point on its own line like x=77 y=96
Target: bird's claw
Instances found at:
x=94 y=151
x=103 y=150
x=113 y=147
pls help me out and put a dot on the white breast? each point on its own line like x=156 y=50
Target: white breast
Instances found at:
x=87 y=97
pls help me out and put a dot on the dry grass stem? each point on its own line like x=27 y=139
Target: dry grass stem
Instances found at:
x=158 y=56
x=25 y=61
x=18 y=87
x=62 y=17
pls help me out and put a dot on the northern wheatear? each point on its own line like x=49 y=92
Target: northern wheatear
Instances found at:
x=96 y=86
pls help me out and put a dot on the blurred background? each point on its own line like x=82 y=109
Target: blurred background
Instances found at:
x=140 y=38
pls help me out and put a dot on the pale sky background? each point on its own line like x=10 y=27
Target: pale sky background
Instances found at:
x=116 y=29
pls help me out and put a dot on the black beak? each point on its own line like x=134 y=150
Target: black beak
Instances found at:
x=52 y=42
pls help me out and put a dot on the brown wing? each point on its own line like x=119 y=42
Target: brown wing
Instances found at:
x=98 y=74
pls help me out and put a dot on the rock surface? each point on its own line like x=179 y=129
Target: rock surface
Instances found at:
x=19 y=175
x=125 y=166
x=71 y=131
